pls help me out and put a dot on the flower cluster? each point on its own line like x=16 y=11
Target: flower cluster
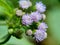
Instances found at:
x=41 y=34
x=37 y=16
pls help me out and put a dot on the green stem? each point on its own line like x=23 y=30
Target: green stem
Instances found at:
x=5 y=38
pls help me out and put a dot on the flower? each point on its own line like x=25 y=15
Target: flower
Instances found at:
x=40 y=7
x=26 y=20
x=42 y=26
x=29 y=32
x=36 y=16
x=40 y=35
x=19 y=12
x=25 y=4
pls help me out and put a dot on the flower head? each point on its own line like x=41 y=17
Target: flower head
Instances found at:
x=40 y=35
x=40 y=7
x=36 y=16
x=42 y=26
x=25 y=4
x=26 y=20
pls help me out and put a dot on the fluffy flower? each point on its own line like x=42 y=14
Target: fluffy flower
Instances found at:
x=36 y=16
x=42 y=26
x=40 y=7
x=26 y=20
x=40 y=35
x=25 y=4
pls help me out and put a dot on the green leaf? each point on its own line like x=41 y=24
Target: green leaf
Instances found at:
x=13 y=40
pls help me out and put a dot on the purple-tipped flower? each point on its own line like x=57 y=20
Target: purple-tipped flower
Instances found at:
x=40 y=35
x=40 y=7
x=36 y=16
x=25 y=4
x=26 y=20
x=42 y=26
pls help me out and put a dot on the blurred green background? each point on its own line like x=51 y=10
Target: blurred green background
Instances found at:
x=53 y=21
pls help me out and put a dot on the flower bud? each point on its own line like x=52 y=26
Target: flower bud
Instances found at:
x=29 y=32
x=10 y=31
x=19 y=12
x=43 y=16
